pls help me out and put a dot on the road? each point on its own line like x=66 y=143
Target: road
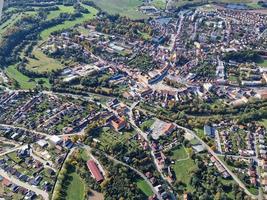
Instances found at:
x=218 y=159
x=24 y=185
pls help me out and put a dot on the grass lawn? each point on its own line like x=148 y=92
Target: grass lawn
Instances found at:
x=142 y=185
x=62 y=9
x=200 y=132
x=42 y=63
x=127 y=8
x=254 y=5
x=147 y=124
x=183 y=170
x=68 y=24
x=264 y=123
x=262 y=63
x=159 y=3
x=179 y=153
x=24 y=81
x=76 y=188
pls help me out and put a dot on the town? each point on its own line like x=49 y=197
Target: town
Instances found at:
x=164 y=101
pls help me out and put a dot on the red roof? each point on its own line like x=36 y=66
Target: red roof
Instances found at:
x=94 y=170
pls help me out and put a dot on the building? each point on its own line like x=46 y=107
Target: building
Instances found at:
x=95 y=170
x=118 y=124
x=169 y=128
x=209 y=131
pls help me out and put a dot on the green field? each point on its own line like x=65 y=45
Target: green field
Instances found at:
x=76 y=188
x=179 y=153
x=62 y=9
x=128 y=8
x=264 y=123
x=42 y=63
x=262 y=63
x=183 y=171
x=68 y=24
x=24 y=81
x=159 y=3
x=142 y=185
x=147 y=124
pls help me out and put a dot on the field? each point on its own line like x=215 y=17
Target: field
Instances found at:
x=264 y=123
x=142 y=185
x=183 y=171
x=24 y=81
x=76 y=188
x=128 y=8
x=68 y=24
x=262 y=63
x=62 y=9
x=147 y=124
x=42 y=63
x=159 y=3
x=179 y=153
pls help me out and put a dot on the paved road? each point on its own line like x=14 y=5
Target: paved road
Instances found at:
x=217 y=158
x=25 y=185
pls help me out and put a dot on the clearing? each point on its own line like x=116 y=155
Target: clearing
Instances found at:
x=76 y=188
x=142 y=185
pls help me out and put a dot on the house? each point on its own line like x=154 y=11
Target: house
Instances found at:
x=95 y=170
x=42 y=143
x=6 y=182
x=169 y=128
x=55 y=139
x=118 y=123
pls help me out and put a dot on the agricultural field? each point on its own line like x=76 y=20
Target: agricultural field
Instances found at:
x=128 y=8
